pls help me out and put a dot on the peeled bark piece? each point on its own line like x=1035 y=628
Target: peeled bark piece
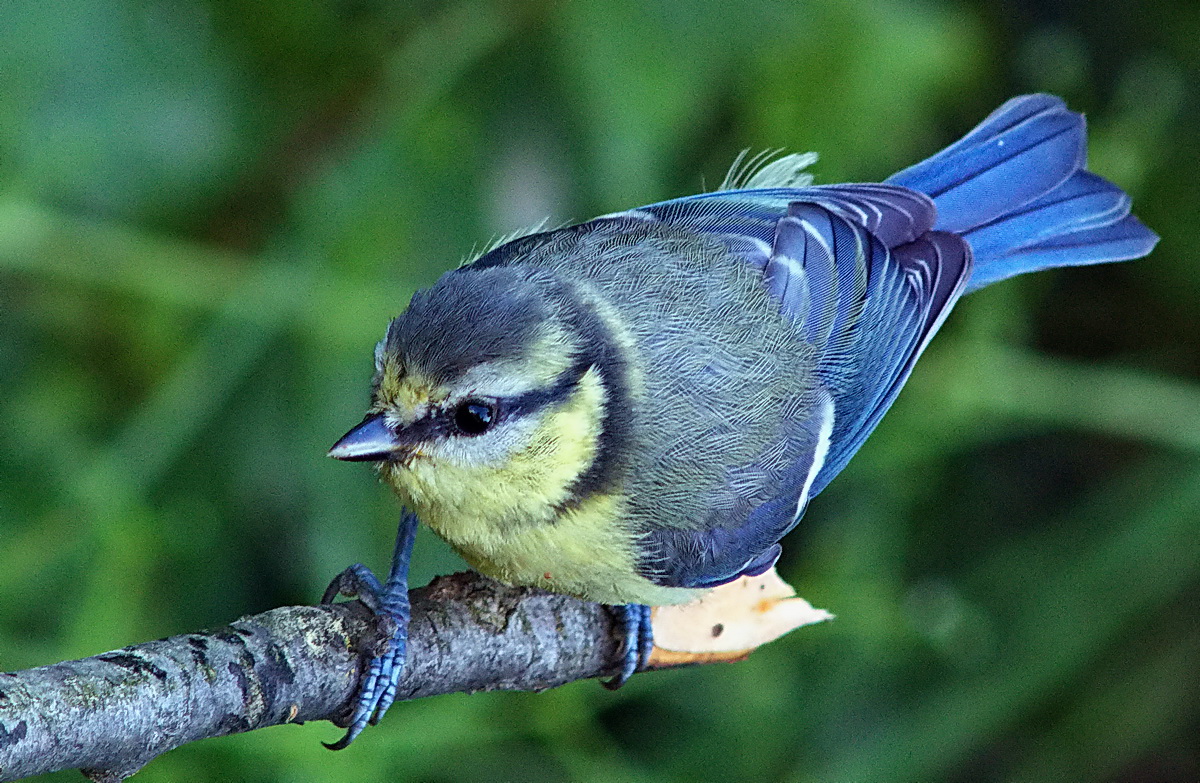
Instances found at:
x=728 y=623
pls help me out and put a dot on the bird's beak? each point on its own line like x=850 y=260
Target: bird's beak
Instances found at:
x=370 y=441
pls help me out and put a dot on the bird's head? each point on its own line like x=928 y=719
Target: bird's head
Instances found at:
x=488 y=400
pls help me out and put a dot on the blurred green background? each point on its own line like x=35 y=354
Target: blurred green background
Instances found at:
x=210 y=210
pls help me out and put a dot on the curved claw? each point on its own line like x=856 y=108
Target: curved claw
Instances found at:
x=367 y=699
x=389 y=599
x=639 y=641
x=377 y=693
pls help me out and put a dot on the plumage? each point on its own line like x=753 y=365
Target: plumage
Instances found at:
x=664 y=389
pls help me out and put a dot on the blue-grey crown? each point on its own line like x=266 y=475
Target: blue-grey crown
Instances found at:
x=470 y=316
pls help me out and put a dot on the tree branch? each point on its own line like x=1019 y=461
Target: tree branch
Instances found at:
x=110 y=714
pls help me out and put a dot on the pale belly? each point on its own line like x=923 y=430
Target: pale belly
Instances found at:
x=580 y=553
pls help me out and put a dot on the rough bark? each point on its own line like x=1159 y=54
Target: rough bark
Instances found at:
x=110 y=714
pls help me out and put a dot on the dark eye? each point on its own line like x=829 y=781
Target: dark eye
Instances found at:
x=474 y=417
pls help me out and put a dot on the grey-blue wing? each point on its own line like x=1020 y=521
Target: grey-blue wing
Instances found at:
x=866 y=283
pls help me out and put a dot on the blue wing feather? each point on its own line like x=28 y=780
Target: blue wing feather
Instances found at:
x=893 y=215
x=921 y=282
x=866 y=309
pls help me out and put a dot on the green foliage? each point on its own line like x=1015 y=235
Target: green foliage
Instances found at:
x=209 y=211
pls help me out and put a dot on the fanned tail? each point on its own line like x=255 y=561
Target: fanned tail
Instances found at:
x=1016 y=189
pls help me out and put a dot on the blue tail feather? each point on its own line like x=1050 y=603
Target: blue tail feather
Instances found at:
x=1084 y=201
x=1120 y=241
x=1016 y=189
x=1000 y=166
x=1011 y=113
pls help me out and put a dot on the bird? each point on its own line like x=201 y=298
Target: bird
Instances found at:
x=637 y=408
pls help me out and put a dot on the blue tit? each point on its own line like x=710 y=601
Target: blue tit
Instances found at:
x=635 y=409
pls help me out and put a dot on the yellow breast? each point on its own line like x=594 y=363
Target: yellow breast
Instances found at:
x=583 y=552
x=512 y=521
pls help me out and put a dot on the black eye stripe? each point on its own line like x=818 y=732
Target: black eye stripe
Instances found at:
x=452 y=418
x=537 y=399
